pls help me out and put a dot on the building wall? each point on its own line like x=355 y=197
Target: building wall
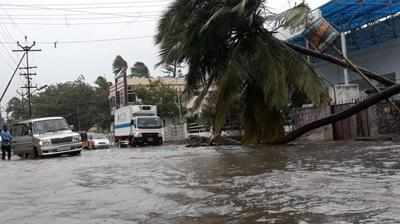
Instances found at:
x=381 y=58
x=178 y=84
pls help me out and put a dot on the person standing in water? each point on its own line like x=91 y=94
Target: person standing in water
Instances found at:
x=6 y=139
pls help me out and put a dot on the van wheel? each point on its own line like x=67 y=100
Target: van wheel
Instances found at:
x=75 y=153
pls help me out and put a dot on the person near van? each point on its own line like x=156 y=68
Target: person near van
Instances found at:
x=6 y=138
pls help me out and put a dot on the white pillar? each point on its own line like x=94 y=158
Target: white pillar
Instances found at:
x=344 y=51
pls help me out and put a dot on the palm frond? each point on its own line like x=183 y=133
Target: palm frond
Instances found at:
x=292 y=19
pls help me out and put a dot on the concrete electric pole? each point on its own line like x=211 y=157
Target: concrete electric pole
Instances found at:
x=28 y=75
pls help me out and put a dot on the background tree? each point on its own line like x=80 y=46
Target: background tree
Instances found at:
x=139 y=69
x=15 y=109
x=120 y=66
x=163 y=96
x=75 y=101
x=226 y=44
x=173 y=70
x=103 y=118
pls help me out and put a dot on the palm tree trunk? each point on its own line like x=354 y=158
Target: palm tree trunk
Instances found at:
x=125 y=89
x=341 y=63
x=376 y=98
x=116 y=93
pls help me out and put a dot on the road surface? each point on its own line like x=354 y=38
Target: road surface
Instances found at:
x=317 y=183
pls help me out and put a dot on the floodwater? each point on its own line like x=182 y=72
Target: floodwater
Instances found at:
x=300 y=184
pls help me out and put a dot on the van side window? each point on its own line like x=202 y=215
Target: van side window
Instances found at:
x=20 y=130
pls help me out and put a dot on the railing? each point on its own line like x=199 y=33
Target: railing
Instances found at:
x=194 y=128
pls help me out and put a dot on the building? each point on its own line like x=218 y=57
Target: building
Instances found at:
x=117 y=96
x=370 y=32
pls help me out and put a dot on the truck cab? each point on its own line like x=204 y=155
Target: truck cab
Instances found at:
x=138 y=125
x=147 y=130
x=44 y=137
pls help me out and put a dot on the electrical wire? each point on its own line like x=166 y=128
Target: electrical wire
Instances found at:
x=145 y=2
x=74 y=17
x=80 y=24
x=12 y=77
x=85 y=41
x=71 y=10
x=11 y=19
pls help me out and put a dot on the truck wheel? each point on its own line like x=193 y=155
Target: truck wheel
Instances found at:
x=159 y=142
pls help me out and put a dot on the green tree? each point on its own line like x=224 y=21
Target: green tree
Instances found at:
x=227 y=44
x=103 y=118
x=172 y=70
x=163 y=96
x=139 y=69
x=15 y=109
x=76 y=101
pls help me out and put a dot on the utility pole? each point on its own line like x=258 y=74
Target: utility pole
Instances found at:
x=28 y=75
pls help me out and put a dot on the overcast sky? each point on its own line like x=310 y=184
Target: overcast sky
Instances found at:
x=86 y=33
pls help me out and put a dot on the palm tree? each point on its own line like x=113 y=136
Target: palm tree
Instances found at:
x=120 y=68
x=226 y=44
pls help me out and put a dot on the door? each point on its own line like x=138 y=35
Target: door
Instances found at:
x=22 y=139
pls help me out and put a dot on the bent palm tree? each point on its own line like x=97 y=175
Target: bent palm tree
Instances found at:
x=227 y=44
x=120 y=68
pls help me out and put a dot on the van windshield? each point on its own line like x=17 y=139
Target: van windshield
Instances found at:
x=46 y=126
x=149 y=123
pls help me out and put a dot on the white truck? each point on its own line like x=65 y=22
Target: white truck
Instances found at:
x=137 y=125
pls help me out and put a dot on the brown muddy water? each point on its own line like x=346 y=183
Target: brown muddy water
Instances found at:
x=309 y=183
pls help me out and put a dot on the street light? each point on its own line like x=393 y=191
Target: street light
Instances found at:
x=34 y=91
x=40 y=88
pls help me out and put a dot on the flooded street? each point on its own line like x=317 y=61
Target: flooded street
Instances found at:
x=342 y=183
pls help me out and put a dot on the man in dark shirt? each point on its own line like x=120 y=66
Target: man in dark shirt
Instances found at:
x=6 y=139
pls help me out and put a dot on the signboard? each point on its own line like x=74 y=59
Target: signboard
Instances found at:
x=321 y=34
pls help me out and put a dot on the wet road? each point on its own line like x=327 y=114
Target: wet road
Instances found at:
x=345 y=183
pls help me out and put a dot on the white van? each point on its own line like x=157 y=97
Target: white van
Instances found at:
x=138 y=125
x=44 y=137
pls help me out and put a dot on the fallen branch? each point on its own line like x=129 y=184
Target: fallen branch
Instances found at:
x=374 y=99
x=342 y=63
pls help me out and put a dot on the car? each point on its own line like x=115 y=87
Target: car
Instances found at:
x=48 y=136
x=98 y=141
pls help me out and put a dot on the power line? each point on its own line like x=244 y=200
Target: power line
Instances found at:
x=12 y=77
x=11 y=19
x=87 y=41
x=145 y=2
x=24 y=7
x=74 y=16
x=70 y=10
x=81 y=24
x=57 y=19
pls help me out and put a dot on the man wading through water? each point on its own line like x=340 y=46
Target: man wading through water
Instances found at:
x=5 y=143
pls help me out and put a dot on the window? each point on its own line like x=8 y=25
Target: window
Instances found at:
x=131 y=97
x=149 y=123
x=47 y=126
x=118 y=99
x=19 y=130
x=112 y=101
